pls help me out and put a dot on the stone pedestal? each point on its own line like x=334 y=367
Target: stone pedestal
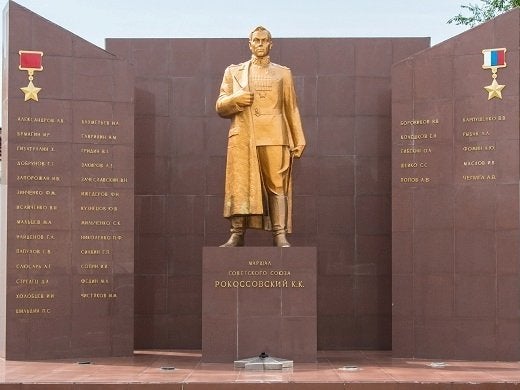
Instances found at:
x=259 y=299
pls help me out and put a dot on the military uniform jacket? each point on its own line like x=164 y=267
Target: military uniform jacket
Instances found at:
x=272 y=119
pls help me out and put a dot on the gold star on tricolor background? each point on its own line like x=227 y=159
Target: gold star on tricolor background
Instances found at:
x=494 y=90
x=31 y=92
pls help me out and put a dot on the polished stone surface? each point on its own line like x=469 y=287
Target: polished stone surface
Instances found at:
x=259 y=299
x=341 y=184
x=333 y=370
x=455 y=239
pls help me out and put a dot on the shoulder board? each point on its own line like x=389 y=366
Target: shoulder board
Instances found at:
x=280 y=66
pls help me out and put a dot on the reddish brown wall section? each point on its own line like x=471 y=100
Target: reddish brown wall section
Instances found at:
x=67 y=256
x=342 y=183
x=456 y=248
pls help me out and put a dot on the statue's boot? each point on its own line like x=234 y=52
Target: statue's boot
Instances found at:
x=237 y=233
x=278 y=213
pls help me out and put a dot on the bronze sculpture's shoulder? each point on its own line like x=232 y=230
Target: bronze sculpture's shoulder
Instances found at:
x=280 y=66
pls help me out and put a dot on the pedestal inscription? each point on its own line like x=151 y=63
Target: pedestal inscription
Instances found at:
x=259 y=299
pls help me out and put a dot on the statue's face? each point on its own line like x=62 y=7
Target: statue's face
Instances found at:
x=260 y=44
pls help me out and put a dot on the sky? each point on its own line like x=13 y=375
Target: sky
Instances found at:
x=95 y=20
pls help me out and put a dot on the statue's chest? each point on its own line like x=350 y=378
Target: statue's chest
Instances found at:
x=264 y=83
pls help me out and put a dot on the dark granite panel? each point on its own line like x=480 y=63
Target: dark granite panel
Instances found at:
x=154 y=303
x=403 y=337
x=372 y=254
x=507 y=250
x=475 y=296
x=373 y=96
x=433 y=251
x=433 y=296
x=370 y=301
x=475 y=252
x=299 y=54
x=402 y=296
x=336 y=254
x=343 y=88
x=440 y=210
x=152 y=173
x=186 y=57
x=434 y=338
x=336 y=215
x=475 y=207
x=152 y=250
x=335 y=295
x=152 y=96
x=368 y=48
x=476 y=338
x=507 y=293
x=333 y=167
x=184 y=214
x=373 y=214
x=150 y=214
x=184 y=254
x=402 y=252
x=154 y=136
x=336 y=136
x=336 y=56
x=184 y=294
x=373 y=136
x=373 y=175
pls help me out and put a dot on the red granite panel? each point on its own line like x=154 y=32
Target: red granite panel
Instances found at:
x=333 y=212
x=336 y=136
x=373 y=214
x=433 y=251
x=475 y=296
x=475 y=252
x=433 y=296
x=343 y=88
x=373 y=48
x=336 y=56
x=373 y=137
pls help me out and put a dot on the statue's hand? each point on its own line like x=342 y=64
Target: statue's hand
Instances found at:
x=244 y=98
x=297 y=150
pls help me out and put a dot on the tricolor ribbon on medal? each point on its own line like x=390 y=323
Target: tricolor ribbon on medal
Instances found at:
x=494 y=59
x=30 y=61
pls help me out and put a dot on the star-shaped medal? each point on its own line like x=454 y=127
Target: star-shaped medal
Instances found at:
x=494 y=90
x=31 y=92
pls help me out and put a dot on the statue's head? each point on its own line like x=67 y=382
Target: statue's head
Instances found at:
x=260 y=42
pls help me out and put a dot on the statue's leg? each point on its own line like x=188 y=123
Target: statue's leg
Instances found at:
x=237 y=232
x=278 y=211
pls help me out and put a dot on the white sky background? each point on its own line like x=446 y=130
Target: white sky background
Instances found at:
x=95 y=20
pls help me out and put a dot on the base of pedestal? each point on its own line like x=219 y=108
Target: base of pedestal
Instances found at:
x=259 y=299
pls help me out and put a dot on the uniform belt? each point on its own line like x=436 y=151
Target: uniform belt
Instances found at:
x=263 y=111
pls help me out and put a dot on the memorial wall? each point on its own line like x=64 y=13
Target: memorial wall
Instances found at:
x=455 y=197
x=341 y=183
x=67 y=194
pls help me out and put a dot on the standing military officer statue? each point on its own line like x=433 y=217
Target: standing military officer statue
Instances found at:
x=265 y=134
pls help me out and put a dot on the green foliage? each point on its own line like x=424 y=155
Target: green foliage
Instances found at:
x=481 y=13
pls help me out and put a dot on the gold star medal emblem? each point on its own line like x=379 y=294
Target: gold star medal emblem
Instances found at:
x=30 y=61
x=494 y=59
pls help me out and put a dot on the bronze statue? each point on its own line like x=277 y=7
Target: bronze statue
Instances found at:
x=265 y=134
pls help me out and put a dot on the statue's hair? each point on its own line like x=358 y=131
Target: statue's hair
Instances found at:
x=260 y=28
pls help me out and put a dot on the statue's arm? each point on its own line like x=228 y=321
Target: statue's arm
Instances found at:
x=292 y=114
x=227 y=105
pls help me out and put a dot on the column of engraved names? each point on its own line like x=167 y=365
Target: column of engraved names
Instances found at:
x=39 y=219
x=477 y=148
x=101 y=220
x=416 y=145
